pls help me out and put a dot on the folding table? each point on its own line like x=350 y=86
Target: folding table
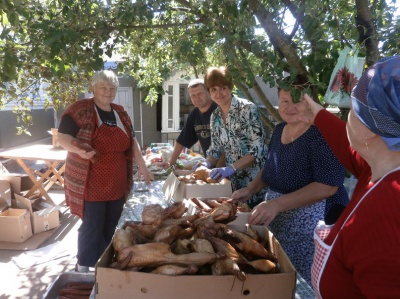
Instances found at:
x=54 y=159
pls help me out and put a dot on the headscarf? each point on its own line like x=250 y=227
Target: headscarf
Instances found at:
x=376 y=100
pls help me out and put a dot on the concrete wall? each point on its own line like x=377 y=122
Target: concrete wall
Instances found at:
x=146 y=120
x=43 y=121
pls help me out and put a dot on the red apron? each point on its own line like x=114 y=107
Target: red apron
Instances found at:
x=108 y=176
x=322 y=250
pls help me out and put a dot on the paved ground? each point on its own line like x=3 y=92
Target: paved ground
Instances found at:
x=32 y=282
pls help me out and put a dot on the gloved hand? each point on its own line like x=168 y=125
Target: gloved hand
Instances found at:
x=204 y=163
x=221 y=172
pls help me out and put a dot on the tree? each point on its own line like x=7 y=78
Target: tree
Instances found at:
x=65 y=41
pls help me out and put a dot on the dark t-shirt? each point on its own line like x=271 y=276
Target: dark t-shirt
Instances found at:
x=69 y=126
x=197 y=128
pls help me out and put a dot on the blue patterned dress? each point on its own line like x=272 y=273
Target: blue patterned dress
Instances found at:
x=243 y=133
x=290 y=167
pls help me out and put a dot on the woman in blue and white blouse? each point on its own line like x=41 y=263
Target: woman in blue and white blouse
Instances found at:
x=236 y=130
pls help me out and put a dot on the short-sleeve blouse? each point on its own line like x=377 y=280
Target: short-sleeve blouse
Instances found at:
x=307 y=159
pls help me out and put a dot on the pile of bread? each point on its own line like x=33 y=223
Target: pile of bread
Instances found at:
x=170 y=243
x=200 y=176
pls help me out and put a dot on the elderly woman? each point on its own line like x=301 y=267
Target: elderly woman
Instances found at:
x=236 y=130
x=300 y=172
x=359 y=257
x=101 y=145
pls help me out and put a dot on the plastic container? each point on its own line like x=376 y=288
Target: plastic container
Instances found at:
x=152 y=145
x=67 y=277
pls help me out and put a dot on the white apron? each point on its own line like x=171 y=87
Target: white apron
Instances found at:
x=322 y=250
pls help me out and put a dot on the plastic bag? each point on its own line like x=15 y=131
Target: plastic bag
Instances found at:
x=344 y=78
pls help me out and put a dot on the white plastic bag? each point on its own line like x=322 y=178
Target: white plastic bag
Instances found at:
x=344 y=78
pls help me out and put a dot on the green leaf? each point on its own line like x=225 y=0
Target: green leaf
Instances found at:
x=296 y=95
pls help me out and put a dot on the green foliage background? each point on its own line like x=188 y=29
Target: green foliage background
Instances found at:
x=61 y=43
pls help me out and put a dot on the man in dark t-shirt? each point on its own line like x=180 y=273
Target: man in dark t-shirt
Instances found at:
x=197 y=127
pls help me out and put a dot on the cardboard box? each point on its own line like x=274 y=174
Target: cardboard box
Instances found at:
x=45 y=217
x=18 y=182
x=5 y=195
x=113 y=283
x=32 y=243
x=15 y=225
x=66 y=278
x=5 y=190
x=177 y=190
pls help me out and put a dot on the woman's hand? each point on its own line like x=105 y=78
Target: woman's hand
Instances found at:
x=164 y=165
x=242 y=195
x=85 y=150
x=221 y=173
x=87 y=155
x=145 y=174
x=313 y=109
x=264 y=213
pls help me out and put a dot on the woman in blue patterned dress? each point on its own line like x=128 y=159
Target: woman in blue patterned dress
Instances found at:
x=236 y=130
x=299 y=173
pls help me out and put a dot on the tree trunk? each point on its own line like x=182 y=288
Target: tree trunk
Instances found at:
x=367 y=31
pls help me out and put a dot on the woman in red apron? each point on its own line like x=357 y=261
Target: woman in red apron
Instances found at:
x=99 y=137
x=359 y=257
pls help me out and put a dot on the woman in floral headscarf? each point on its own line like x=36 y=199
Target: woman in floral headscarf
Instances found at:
x=359 y=257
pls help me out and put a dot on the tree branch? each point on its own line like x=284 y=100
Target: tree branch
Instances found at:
x=277 y=37
x=367 y=31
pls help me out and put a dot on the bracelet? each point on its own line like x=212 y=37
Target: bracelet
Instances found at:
x=233 y=167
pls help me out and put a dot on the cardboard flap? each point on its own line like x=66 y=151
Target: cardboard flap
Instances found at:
x=5 y=189
x=170 y=186
x=27 y=204
x=3 y=204
x=47 y=211
x=18 y=182
x=41 y=204
x=24 y=202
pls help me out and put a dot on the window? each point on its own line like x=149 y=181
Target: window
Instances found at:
x=170 y=107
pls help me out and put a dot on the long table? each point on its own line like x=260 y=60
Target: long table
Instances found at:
x=54 y=158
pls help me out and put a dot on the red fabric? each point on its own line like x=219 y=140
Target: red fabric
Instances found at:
x=365 y=260
x=76 y=168
x=107 y=178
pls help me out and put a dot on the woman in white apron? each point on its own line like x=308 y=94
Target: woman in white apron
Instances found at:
x=359 y=257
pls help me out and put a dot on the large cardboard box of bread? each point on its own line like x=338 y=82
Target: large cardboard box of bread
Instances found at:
x=44 y=217
x=122 y=284
x=15 y=225
x=178 y=190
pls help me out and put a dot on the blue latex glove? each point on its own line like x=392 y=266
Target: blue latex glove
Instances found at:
x=221 y=172
x=204 y=163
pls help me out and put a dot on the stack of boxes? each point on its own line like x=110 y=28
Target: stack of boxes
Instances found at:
x=20 y=217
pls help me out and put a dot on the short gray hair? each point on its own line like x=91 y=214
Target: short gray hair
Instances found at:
x=196 y=82
x=104 y=76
